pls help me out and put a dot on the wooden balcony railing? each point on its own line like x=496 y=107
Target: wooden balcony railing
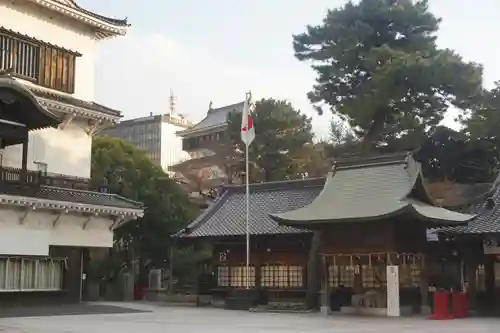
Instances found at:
x=36 y=61
x=65 y=181
x=34 y=179
x=18 y=176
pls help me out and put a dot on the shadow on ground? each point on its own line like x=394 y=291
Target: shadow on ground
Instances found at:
x=64 y=310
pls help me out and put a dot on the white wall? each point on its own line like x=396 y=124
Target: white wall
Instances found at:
x=171 y=146
x=65 y=151
x=38 y=231
x=54 y=28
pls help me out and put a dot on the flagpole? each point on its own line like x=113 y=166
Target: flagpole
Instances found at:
x=247 y=194
x=247 y=190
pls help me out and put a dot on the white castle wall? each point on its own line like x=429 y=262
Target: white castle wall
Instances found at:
x=37 y=232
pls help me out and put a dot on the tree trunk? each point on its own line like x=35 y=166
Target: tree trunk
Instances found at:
x=313 y=272
x=373 y=131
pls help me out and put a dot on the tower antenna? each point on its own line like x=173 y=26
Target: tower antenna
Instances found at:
x=172 y=102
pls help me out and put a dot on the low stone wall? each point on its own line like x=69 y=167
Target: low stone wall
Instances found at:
x=155 y=295
x=379 y=312
x=161 y=295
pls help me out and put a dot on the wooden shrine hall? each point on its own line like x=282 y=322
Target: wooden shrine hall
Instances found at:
x=373 y=213
x=279 y=254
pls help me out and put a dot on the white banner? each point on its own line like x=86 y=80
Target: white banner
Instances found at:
x=393 y=291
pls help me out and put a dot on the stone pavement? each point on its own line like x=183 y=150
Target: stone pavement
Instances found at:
x=63 y=310
x=190 y=320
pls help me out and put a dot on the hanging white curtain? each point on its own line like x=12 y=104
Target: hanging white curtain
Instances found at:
x=14 y=274
x=3 y=267
x=19 y=274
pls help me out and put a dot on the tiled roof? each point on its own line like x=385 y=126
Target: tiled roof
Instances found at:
x=72 y=101
x=226 y=217
x=369 y=188
x=488 y=216
x=214 y=118
x=73 y=4
x=39 y=117
x=74 y=196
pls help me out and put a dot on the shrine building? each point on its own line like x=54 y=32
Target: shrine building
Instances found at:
x=370 y=213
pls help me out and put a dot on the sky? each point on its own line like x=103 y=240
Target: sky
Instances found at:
x=217 y=50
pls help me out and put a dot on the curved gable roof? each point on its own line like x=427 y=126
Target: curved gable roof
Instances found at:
x=74 y=5
x=373 y=188
x=21 y=106
x=215 y=119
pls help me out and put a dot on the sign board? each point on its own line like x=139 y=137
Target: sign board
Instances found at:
x=393 y=309
x=432 y=235
x=491 y=246
x=223 y=256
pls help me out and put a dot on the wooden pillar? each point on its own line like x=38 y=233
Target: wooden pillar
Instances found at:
x=24 y=163
x=425 y=308
x=489 y=278
x=258 y=277
x=471 y=269
x=325 y=288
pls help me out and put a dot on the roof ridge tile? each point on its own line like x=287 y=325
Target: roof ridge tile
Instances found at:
x=371 y=160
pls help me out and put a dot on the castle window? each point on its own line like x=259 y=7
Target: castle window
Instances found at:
x=38 y=62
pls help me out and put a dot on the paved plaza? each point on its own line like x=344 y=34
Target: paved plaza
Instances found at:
x=163 y=319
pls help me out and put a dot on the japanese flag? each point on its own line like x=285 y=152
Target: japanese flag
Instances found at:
x=247 y=129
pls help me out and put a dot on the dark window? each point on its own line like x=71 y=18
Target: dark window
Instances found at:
x=43 y=64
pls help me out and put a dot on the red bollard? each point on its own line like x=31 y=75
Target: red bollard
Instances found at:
x=138 y=292
x=459 y=304
x=441 y=306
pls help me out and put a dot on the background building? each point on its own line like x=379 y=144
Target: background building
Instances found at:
x=209 y=146
x=155 y=135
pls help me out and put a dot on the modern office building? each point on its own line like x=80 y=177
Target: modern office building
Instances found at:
x=155 y=134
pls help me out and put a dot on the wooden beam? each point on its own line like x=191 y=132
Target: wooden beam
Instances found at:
x=22 y=219
x=24 y=163
x=67 y=121
x=58 y=217
x=94 y=128
x=116 y=221
x=87 y=221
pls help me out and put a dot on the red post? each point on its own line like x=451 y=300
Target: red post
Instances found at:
x=441 y=306
x=459 y=304
x=138 y=292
